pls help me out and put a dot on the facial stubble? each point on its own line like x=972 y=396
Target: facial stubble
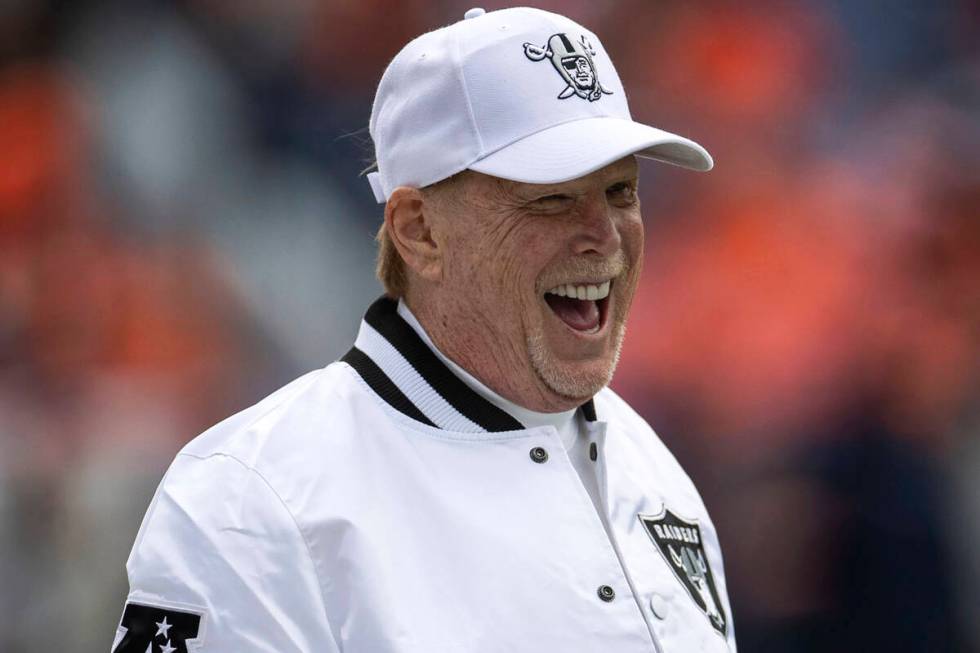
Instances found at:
x=570 y=383
x=578 y=384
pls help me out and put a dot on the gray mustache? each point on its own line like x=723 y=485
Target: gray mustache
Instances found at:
x=586 y=268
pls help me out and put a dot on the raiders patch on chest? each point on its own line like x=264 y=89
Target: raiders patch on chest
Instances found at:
x=157 y=629
x=679 y=542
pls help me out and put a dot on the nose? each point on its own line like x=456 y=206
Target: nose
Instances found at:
x=598 y=231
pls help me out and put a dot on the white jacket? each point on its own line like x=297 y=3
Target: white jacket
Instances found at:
x=379 y=505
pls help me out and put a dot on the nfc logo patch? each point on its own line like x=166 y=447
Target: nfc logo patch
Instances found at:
x=155 y=629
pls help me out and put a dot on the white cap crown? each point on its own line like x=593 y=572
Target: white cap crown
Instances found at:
x=520 y=93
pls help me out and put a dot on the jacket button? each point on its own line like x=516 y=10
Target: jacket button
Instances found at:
x=539 y=455
x=606 y=593
x=658 y=606
x=593 y=452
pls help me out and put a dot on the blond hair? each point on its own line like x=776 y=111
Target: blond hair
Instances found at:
x=390 y=268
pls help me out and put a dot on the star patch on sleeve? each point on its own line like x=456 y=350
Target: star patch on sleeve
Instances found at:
x=158 y=629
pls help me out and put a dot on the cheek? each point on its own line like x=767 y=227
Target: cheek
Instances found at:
x=515 y=259
x=633 y=229
x=639 y=247
x=489 y=269
x=633 y=238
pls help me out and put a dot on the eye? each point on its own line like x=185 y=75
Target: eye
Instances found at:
x=622 y=193
x=551 y=203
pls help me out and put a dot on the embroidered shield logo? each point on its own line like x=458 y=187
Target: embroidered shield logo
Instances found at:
x=156 y=629
x=573 y=61
x=679 y=542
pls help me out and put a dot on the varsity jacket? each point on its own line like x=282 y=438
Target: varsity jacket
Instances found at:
x=379 y=505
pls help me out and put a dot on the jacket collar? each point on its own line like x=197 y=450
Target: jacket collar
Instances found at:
x=403 y=371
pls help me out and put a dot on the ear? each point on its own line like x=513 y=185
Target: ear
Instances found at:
x=409 y=221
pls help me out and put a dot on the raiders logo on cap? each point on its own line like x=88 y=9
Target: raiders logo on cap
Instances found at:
x=680 y=543
x=573 y=61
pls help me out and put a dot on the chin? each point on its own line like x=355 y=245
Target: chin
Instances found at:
x=574 y=380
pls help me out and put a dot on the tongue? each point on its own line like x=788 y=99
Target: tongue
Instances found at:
x=580 y=314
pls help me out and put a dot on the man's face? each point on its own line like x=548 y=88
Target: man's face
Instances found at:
x=515 y=255
x=581 y=71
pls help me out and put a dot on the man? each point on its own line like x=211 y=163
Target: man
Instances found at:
x=462 y=480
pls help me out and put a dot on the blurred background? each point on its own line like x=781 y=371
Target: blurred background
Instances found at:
x=183 y=230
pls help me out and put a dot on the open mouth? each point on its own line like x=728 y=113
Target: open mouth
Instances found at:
x=582 y=307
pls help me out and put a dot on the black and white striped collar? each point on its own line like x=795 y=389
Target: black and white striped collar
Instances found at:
x=401 y=369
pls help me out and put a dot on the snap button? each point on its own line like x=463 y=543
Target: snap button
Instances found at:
x=475 y=12
x=593 y=452
x=539 y=455
x=606 y=593
x=658 y=605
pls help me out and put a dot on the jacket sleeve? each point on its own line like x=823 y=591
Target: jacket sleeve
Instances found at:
x=220 y=565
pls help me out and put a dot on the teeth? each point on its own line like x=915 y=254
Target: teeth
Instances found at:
x=586 y=292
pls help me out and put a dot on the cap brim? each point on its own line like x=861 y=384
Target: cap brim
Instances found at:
x=574 y=149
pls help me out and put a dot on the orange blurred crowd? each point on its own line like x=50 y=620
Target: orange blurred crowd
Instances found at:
x=811 y=301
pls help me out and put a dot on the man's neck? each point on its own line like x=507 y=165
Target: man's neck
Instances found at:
x=496 y=362
x=526 y=416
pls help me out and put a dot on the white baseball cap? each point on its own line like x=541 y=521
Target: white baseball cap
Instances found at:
x=522 y=94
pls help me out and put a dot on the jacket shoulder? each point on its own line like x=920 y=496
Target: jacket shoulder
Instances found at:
x=644 y=444
x=293 y=418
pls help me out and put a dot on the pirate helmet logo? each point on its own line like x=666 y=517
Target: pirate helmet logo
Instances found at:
x=573 y=61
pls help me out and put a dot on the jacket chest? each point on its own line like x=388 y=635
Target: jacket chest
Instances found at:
x=493 y=543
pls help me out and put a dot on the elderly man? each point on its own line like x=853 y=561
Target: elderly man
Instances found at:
x=462 y=480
